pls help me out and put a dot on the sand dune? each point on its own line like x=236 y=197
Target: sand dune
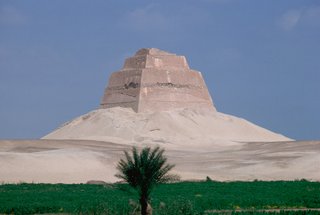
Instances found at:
x=78 y=161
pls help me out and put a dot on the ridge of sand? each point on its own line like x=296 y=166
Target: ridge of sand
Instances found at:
x=185 y=127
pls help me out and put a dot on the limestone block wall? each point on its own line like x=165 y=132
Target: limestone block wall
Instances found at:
x=165 y=90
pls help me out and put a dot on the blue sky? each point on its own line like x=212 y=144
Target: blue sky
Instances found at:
x=260 y=59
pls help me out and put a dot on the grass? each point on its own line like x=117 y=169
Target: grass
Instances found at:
x=177 y=198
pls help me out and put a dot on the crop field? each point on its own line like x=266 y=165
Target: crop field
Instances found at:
x=209 y=197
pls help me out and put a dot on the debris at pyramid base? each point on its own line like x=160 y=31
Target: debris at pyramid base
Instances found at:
x=180 y=126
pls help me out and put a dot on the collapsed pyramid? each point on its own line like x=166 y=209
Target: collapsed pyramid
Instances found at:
x=155 y=80
x=157 y=98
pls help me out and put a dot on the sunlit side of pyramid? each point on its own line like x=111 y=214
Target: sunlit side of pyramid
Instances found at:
x=157 y=98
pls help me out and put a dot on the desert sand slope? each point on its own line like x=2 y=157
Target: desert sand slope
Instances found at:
x=77 y=161
x=179 y=127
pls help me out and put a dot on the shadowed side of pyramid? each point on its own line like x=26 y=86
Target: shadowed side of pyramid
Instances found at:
x=155 y=80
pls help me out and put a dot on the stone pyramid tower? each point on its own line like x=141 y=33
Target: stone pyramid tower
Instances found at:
x=155 y=80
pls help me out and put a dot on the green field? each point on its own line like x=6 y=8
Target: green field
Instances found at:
x=176 y=198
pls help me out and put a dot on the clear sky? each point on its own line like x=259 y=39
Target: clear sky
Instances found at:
x=260 y=59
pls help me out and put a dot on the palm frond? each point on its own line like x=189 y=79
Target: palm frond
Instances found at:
x=145 y=169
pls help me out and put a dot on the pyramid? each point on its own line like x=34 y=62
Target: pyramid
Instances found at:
x=155 y=80
x=157 y=98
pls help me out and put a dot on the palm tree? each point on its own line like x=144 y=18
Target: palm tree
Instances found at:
x=143 y=171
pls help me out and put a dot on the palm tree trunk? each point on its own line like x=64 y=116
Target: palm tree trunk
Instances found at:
x=144 y=205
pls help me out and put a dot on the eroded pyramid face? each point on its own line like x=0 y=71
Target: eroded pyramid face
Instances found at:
x=155 y=80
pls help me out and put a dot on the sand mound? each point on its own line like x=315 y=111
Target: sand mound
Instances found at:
x=181 y=126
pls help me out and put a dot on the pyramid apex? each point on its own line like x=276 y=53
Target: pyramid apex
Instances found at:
x=155 y=58
x=152 y=51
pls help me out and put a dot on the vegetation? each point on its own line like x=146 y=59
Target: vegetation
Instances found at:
x=175 y=198
x=143 y=171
